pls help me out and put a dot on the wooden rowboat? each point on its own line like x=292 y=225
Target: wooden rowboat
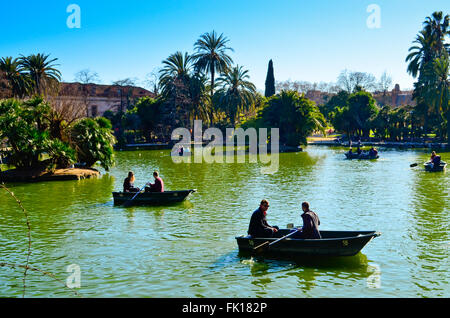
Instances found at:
x=360 y=156
x=430 y=167
x=332 y=243
x=151 y=198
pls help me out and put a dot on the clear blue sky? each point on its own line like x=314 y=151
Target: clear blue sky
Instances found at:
x=307 y=40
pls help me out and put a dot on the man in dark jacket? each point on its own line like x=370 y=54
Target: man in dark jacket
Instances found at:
x=311 y=222
x=258 y=226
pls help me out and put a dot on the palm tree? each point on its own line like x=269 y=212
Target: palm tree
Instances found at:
x=211 y=55
x=41 y=71
x=13 y=73
x=177 y=66
x=175 y=77
x=438 y=27
x=201 y=101
x=237 y=93
x=420 y=53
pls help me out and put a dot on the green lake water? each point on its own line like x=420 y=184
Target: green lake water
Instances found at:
x=189 y=249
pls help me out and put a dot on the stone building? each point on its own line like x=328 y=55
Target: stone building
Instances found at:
x=97 y=99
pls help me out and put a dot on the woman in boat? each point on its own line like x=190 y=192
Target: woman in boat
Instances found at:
x=258 y=226
x=128 y=183
x=435 y=159
x=311 y=222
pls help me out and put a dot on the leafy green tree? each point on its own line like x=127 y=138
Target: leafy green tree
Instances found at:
x=342 y=120
x=295 y=116
x=93 y=141
x=270 y=81
x=338 y=100
x=363 y=108
x=148 y=112
x=26 y=128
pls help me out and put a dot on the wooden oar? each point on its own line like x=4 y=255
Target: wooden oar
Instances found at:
x=266 y=244
x=127 y=203
x=413 y=165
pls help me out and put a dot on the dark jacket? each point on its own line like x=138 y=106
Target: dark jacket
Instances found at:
x=128 y=186
x=258 y=226
x=311 y=224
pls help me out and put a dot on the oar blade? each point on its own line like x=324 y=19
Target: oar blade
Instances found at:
x=413 y=165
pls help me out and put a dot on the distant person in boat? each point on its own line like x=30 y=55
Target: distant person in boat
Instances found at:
x=358 y=151
x=433 y=154
x=128 y=183
x=258 y=226
x=311 y=222
x=373 y=152
x=158 y=186
x=350 y=152
x=435 y=159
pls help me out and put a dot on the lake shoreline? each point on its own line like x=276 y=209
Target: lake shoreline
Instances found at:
x=37 y=175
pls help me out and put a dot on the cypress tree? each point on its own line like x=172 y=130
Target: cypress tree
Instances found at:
x=270 y=81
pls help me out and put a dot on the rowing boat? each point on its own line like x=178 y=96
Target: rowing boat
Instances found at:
x=360 y=156
x=151 y=198
x=431 y=168
x=332 y=243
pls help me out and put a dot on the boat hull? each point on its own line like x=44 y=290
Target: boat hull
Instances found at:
x=151 y=198
x=333 y=243
x=429 y=167
x=361 y=156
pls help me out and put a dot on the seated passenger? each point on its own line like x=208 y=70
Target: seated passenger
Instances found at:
x=258 y=226
x=128 y=183
x=158 y=186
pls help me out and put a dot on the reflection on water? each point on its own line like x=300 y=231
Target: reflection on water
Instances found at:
x=189 y=249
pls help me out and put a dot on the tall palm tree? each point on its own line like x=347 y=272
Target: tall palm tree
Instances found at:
x=421 y=53
x=201 y=101
x=41 y=71
x=177 y=66
x=211 y=55
x=438 y=27
x=236 y=92
x=18 y=82
x=175 y=77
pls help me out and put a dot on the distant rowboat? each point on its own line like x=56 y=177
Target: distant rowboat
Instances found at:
x=151 y=198
x=360 y=156
x=431 y=168
x=332 y=243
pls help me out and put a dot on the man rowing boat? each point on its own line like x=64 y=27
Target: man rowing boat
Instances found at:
x=158 y=186
x=311 y=222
